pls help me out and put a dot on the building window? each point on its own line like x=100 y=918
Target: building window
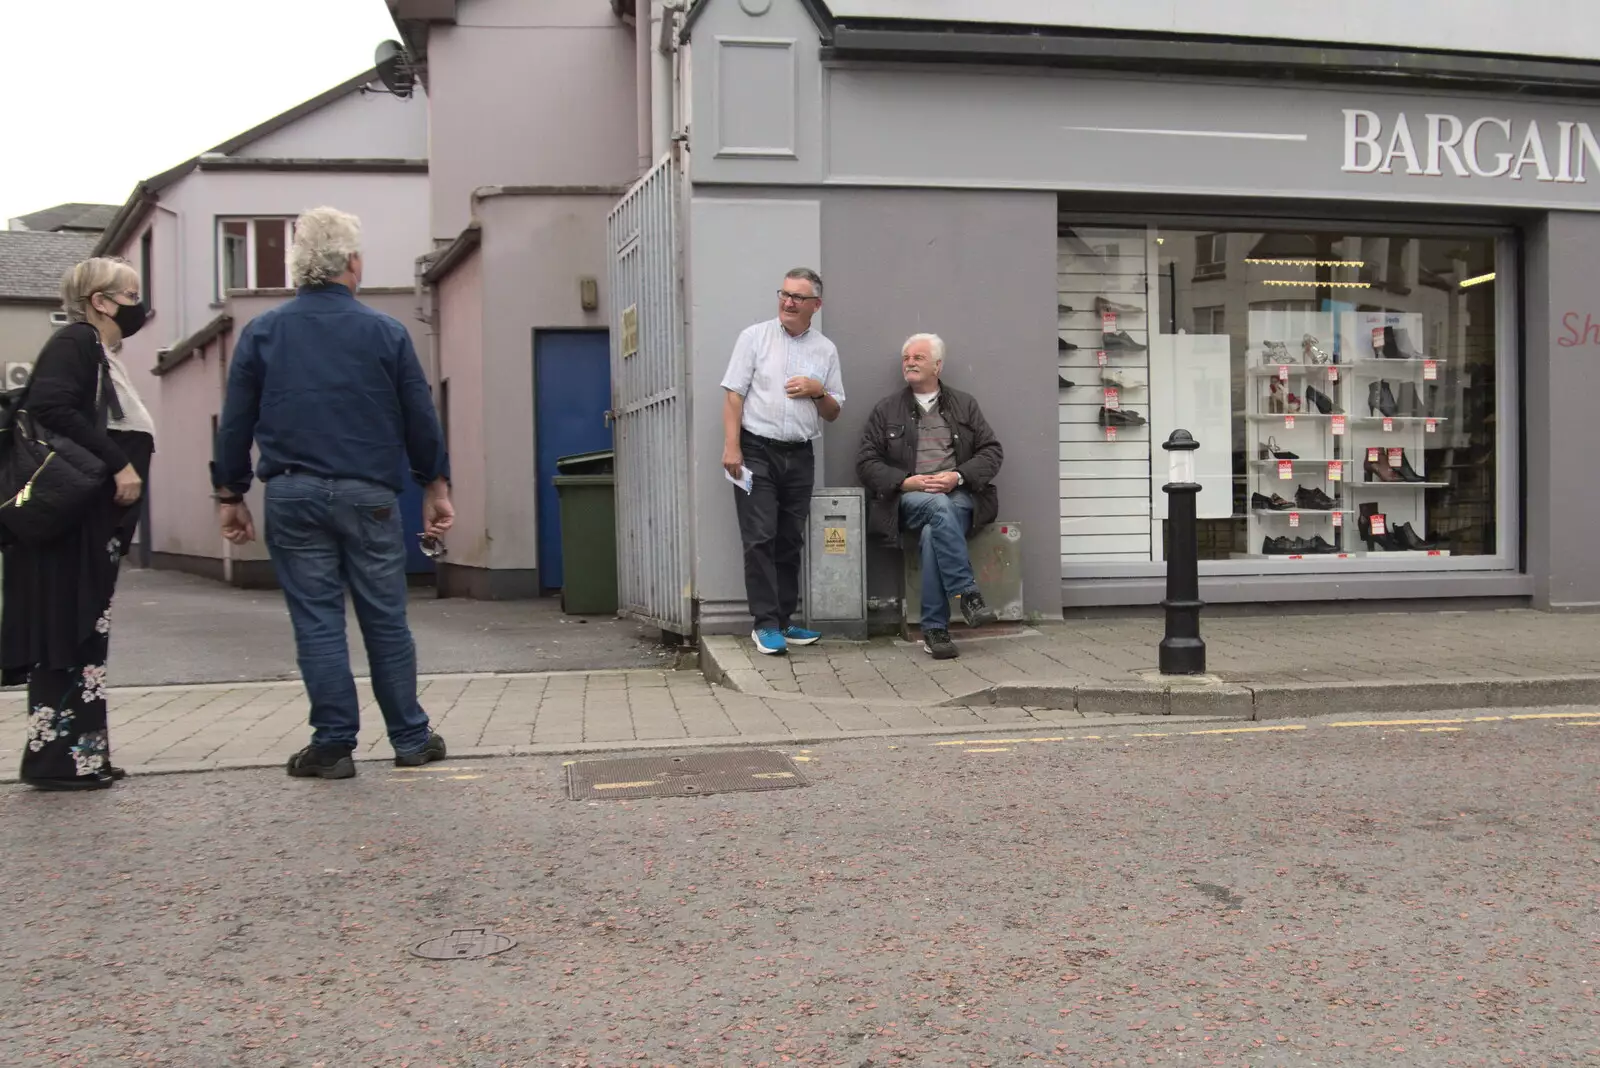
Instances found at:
x=147 y=267
x=1347 y=417
x=1211 y=256
x=253 y=253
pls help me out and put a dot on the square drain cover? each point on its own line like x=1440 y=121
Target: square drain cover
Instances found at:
x=688 y=775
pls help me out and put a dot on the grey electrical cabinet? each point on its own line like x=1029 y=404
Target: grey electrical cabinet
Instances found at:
x=835 y=588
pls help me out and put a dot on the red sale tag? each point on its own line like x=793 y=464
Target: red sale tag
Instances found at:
x=1285 y=469
x=1333 y=374
x=1338 y=519
x=1377 y=339
x=1283 y=372
x=1372 y=456
x=1430 y=369
x=1435 y=552
x=1395 y=456
x=1294 y=519
x=1338 y=425
x=1432 y=426
x=1378 y=525
x=1111 y=399
x=1288 y=422
x=1388 y=425
x=1108 y=323
x=1101 y=356
x=1111 y=433
x=1335 y=470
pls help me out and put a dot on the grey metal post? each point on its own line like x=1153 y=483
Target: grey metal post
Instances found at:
x=1183 y=651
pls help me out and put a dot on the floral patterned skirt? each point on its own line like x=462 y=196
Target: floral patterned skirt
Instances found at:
x=67 y=734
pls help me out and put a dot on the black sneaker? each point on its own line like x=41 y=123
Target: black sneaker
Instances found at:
x=434 y=750
x=938 y=645
x=318 y=762
x=975 y=612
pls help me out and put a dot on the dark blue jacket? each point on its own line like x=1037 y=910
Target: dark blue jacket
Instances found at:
x=326 y=386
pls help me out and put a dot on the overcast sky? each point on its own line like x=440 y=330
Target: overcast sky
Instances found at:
x=98 y=94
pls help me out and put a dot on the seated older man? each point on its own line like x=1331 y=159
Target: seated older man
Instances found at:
x=929 y=460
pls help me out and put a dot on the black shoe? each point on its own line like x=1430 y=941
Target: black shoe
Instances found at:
x=1323 y=402
x=975 y=612
x=1410 y=540
x=434 y=750
x=1407 y=474
x=317 y=762
x=1064 y=383
x=1064 y=309
x=1313 y=500
x=1271 y=450
x=102 y=780
x=1319 y=544
x=1120 y=417
x=1391 y=346
x=1121 y=342
x=937 y=644
x=1274 y=546
x=1063 y=345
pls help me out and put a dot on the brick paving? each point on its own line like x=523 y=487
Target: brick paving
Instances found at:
x=1267 y=649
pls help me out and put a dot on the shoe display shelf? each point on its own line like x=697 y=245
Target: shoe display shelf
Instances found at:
x=1103 y=378
x=1297 y=427
x=1393 y=388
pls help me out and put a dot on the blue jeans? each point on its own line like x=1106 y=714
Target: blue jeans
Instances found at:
x=942 y=519
x=325 y=534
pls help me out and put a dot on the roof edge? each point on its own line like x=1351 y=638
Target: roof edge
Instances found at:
x=817 y=9
x=440 y=264
x=286 y=163
x=196 y=342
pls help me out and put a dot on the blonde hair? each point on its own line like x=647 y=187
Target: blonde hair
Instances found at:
x=324 y=241
x=102 y=274
x=935 y=346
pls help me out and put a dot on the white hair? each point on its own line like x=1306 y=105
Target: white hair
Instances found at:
x=324 y=241
x=935 y=346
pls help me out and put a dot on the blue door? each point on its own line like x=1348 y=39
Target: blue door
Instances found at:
x=572 y=392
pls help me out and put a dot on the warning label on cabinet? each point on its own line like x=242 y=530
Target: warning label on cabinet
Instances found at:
x=833 y=541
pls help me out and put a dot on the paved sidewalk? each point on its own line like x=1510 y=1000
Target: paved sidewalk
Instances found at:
x=1262 y=666
x=222 y=725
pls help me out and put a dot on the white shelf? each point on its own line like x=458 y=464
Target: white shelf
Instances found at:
x=1278 y=417
x=1391 y=363
x=1302 y=511
x=1396 y=418
x=1267 y=465
x=1294 y=557
x=1296 y=370
x=1399 y=485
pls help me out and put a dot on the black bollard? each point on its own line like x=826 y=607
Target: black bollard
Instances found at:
x=1183 y=651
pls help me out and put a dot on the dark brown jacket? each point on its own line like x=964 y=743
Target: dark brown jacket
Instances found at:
x=888 y=456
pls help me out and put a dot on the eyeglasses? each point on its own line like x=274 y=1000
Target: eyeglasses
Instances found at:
x=431 y=546
x=786 y=297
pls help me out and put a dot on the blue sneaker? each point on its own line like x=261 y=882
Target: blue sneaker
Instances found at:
x=801 y=636
x=769 y=641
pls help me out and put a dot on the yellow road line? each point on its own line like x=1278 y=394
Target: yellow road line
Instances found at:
x=463 y=776
x=435 y=768
x=1150 y=735
x=1392 y=722
x=1557 y=715
x=1002 y=750
x=625 y=785
x=773 y=775
x=1251 y=730
x=998 y=741
x=1591 y=723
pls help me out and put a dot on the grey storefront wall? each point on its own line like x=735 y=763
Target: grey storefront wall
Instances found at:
x=931 y=197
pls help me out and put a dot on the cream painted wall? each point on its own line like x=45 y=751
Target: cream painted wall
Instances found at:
x=461 y=363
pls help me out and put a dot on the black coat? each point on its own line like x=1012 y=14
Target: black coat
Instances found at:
x=55 y=593
x=888 y=456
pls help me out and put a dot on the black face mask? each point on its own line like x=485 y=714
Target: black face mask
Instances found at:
x=130 y=318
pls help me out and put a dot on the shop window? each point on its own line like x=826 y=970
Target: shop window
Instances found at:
x=1343 y=387
x=253 y=253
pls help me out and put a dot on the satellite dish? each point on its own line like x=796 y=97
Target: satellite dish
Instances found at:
x=394 y=68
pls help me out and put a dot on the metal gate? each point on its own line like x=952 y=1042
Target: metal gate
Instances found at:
x=650 y=404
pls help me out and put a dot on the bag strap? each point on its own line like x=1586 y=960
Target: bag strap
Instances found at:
x=105 y=395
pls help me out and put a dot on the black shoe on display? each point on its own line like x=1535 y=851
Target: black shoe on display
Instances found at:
x=1064 y=309
x=1064 y=383
x=1120 y=417
x=1323 y=402
x=1391 y=346
x=1274 y=546
x=1121 y=341
x=1406 y=473
x=1063 y=345
x=1412 y=542
x=937 y=644
x=1102 y=305
x=1380 y=400
x=1320 y=545
x=1313 y=500
x=1270 y=449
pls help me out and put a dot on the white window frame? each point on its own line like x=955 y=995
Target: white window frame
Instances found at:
x=250 y=248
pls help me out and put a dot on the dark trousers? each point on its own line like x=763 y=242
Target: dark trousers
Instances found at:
x=772 y=525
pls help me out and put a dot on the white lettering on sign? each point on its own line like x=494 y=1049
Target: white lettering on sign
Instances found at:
x=1486 y=147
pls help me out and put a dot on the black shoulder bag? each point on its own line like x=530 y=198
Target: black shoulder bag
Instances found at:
x=48 y=482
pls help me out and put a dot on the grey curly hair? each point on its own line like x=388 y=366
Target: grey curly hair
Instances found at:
x=324 y=241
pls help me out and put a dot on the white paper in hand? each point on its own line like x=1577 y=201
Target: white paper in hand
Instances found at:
x=745 y=479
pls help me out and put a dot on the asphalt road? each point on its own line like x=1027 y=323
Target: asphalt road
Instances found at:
x=1408 y=894
x=171 y=628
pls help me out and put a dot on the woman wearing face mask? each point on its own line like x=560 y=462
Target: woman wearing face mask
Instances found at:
x=55 y=625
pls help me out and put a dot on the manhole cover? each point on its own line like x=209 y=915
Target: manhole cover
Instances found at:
x=466 y=943
x=691 y=775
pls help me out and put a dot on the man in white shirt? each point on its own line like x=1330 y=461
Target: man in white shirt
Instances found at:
x=782 y=383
